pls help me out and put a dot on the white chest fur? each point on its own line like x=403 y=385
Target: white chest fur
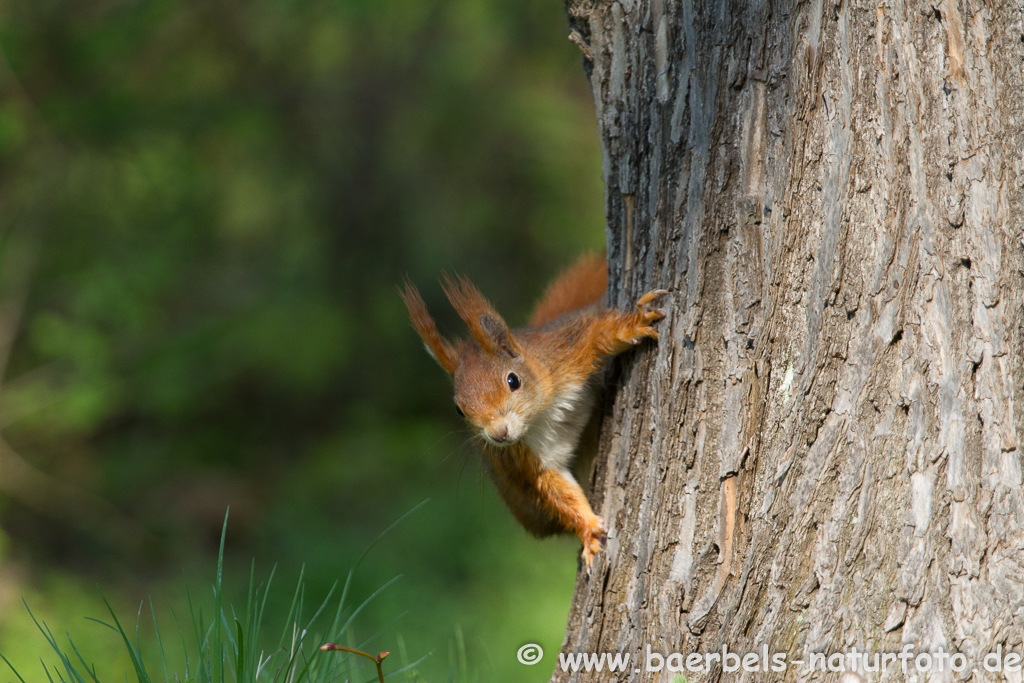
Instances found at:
x=556 y=432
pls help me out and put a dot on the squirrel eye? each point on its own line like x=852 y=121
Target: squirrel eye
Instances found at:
x=513 y=381
x=459 y=411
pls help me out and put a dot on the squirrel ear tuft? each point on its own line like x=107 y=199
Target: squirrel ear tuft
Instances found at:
x=438 y=347
x=499 y=334
x=486 y=326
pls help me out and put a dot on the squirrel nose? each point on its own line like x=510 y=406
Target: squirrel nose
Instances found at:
x=501 y=435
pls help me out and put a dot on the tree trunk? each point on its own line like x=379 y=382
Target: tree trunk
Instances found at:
x=822 y=451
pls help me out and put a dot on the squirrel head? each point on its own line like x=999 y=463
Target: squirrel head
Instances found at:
x=495 y=388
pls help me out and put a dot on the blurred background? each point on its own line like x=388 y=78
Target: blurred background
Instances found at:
x=205 y=211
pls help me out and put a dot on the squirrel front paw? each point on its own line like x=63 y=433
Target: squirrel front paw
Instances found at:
x=647 y=315
x=594 y=538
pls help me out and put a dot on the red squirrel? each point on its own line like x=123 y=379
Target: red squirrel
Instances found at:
x=530 y=391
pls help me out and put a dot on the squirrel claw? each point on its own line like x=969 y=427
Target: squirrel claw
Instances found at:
x=643 y=306
x=647 y=315
x=644 y=333
x=594 y=540
x=649 y=298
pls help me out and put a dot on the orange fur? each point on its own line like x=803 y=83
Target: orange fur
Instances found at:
x=580 y=346
x=544 y=501
x=439 y=347
x=582 y=284
x=612 y=331
x=476 y=311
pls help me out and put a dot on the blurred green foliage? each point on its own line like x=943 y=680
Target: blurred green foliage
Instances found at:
x=205 y=209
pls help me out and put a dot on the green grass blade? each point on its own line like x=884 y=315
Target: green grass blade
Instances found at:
x=245 y=665
x=184 y=647
x=407 y=667
x=292 y=615
x=229 y=633
x=159 y=641
x=91 y=672
x=100 y=622
x=348 y=580
x=366 y=602
x=11 y=667
x=203 y=673
x=133 y=653
x=45 y=630
x=462 y=651
x=309 y=629
x=322 y=607
x=218 y=646
x=240 y=667
x=138 y=637
x=258 y=622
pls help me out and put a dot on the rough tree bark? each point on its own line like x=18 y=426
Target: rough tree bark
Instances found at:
x=824 y=449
